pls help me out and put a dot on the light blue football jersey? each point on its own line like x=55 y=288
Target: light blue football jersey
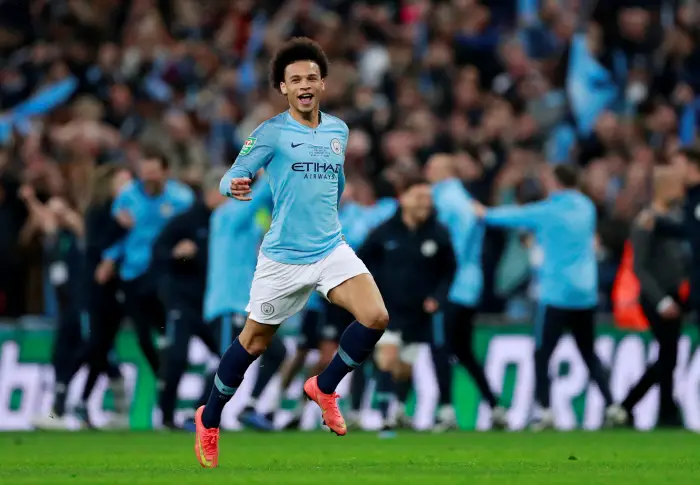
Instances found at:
x=305 y=169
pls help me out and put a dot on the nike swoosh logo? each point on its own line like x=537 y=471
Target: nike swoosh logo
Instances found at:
x=202 y=457
x=297 y=145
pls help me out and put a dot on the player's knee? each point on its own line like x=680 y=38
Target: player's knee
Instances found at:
x=254 y=345
x=377 y=318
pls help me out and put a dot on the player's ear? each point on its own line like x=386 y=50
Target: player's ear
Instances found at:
x=323 y=85
x=283 y=88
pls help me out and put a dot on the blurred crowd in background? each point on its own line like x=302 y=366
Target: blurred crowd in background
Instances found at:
x=505 y=85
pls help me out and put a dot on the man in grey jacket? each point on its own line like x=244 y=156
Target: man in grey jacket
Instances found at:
x=661 y=263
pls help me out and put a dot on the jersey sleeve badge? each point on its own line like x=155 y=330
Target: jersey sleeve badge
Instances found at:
x=248 y=145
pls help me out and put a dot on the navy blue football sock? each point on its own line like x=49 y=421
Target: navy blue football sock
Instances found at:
x=385 y=393
x=229 y=376
x=356 y=344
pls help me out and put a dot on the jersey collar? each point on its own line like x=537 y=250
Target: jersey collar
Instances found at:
x=320 y=120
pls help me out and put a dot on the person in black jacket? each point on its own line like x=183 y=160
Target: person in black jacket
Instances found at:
x=688 y=162
x=180 y=257
x=102 y=303
x=62 y=230
x=661 y=264
x=412 y=260
x=65 y=237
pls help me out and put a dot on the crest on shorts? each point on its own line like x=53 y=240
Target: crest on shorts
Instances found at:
x=336 y=146
x=429 y=248
x=267 y=309
x=248 y=145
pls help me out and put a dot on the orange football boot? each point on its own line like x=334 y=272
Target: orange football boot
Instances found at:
x=206 y=442
x=329 y=406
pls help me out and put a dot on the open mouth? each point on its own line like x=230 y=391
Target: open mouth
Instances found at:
x=306 y=99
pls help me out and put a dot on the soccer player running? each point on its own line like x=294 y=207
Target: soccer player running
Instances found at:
x=454 y=210
x=564 y=225
x=302 y=153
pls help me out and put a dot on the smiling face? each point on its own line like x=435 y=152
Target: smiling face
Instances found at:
x=303 y=86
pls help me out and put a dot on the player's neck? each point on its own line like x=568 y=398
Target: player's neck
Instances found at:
x=311 y=119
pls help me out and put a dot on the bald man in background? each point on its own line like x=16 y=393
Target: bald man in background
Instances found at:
x=661 y=264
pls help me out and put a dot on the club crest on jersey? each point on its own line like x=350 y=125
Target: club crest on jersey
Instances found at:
x=336 y=146
x=166 y=210
x=248 y=145
x=429 y=248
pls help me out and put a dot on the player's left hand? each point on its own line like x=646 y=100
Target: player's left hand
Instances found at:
x=479 y=209
x=240 y=188
x=125 y=220
x=431 y=305
x=185 y=249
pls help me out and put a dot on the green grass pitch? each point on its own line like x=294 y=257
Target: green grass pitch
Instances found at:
x=576 y=458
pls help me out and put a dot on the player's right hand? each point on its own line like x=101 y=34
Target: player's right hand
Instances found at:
x=104 y=271
x=240 y=188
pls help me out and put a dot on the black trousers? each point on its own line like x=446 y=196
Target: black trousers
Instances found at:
x=667 y=333
x=459 y=341
x=144 y=308
x=67 y=344
x=184 y=321
x=71 y=350
x=105 y=314
x=550 y=327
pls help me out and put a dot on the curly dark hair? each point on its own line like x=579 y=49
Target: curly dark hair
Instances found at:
x=296 y=49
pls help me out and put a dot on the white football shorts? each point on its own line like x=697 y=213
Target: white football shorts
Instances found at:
x=281 y=290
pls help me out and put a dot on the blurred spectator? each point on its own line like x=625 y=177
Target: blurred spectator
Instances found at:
x=12 y=217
